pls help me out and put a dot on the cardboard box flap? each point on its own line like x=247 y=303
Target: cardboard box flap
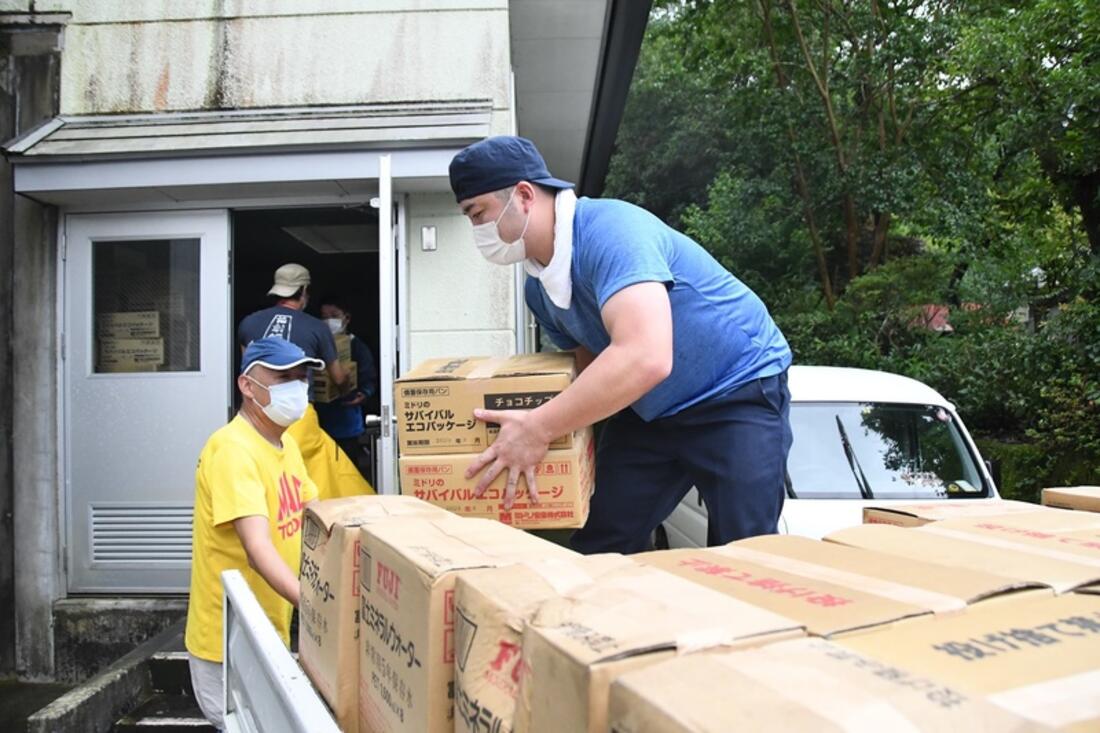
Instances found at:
x=438 y=546
x=355 y=510
x=1081 y=498
x=522 y=365
x=1042 y=520
x=1019 y=563
x=487 y=367
x=456 y=368
x=1037 y=658
x=639 y=610
x=824 y=600
x=939 y=510
x=869 y=569
x=802 y=684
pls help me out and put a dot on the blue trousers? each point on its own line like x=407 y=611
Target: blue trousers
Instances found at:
x=733 y=448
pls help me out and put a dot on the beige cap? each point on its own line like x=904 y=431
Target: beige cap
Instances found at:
x=288 y=279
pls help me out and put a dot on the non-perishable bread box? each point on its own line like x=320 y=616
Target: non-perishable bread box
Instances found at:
x=491 y=608
x=797 y=685
x=1080 y=498
x=325 y=390
x=1037 y=659
x=343 y=346
x=577 y=644
x=407 y=633
x=435 y=402
x=565 y=479
x=140 y=350
x=128 y=324
x=915 y=515
x=834 y=590
x=328 y=624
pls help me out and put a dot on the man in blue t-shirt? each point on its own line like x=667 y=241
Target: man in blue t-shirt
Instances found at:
x=330 y=468
x=680 y=357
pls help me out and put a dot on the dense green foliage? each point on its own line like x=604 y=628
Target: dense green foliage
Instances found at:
x=857 y=161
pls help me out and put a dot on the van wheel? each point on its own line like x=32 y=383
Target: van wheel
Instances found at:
x=660 y=538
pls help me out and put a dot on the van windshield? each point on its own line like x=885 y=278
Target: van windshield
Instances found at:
x=850 y=450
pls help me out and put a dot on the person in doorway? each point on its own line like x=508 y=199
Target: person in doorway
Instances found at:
x=343 y=418
x=335 y=474
x=251 y=488
x=680 y=357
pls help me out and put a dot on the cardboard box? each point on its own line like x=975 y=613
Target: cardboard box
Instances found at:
x=576 y=645
x=134 y=350
x=324 y=389
x=798 y=685
x=491 y=608
x=1056 y=567
x=343 y=346
x=435 y=402
x=1037 y=659
x=328 y=621
x=128 y=324
x=565 y=480
x=915 y=515
x=832 y=590
x=407 y=636
x=111 y=365
x=1080 y=498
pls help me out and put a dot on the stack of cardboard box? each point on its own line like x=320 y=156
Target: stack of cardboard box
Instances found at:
x=984 y=621
x=1081 y=498
x=324 y=389
x=439 y=438
x=129 y=341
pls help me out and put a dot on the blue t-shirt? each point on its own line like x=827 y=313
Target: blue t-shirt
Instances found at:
x=311 y=334
x=722 y=334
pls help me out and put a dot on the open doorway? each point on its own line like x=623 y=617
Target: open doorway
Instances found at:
x=339 y=247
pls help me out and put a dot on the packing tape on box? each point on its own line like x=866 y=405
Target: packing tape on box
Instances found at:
x=1059 y=702
x=564 y=577
x=830 y=699
x=1030 y=549
x=889 y=590
x=689 y=642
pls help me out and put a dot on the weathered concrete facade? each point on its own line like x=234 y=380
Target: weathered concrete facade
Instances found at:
x=29 y=75
x=86 y=61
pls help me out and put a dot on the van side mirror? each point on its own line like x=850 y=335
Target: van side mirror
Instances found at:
x=994 y=468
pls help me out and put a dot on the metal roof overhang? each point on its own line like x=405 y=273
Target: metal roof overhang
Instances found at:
x=193 y=157
x=573 y=62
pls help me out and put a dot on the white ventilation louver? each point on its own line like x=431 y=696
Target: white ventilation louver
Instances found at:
x=141 y=533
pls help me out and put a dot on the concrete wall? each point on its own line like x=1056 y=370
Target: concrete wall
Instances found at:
x=29 y=538
x=158 y=55
x=459 y=304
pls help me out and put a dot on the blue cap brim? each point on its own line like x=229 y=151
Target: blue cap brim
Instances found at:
x=308 y=361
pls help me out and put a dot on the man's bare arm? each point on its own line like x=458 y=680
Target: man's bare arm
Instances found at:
x=254 y=532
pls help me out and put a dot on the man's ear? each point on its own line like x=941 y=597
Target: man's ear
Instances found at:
x=245 y=387
x=525 y=192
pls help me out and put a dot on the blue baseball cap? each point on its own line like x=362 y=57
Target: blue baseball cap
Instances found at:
x=499 y=162
x=278 y=354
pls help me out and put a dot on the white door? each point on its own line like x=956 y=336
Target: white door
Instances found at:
x=387 y=332
x=146 y=381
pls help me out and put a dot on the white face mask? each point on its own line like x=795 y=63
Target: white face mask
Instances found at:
x=496 y=250
x=289 y=401
x=336 y=325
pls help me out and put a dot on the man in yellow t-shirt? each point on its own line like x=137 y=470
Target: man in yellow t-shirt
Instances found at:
x=250 y=489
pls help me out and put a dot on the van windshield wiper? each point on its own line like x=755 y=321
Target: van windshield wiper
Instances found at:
x=853 y=462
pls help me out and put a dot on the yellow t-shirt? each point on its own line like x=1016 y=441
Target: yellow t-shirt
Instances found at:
x=240 y=474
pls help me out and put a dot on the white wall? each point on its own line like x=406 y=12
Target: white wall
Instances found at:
x=459 y=304
x=159 y=55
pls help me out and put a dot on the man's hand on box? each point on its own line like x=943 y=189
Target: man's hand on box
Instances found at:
x=519 y=447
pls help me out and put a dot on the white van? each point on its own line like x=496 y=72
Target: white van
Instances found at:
x=860 y=437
